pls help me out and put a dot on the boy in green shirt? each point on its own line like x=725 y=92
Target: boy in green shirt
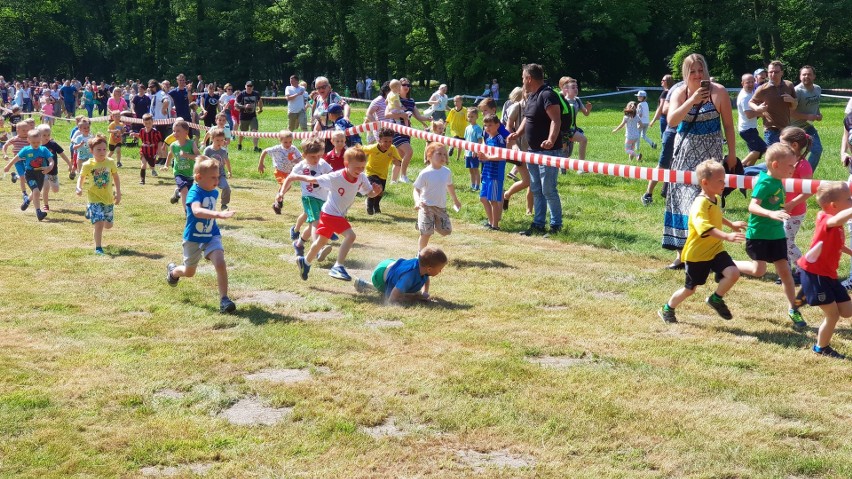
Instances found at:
x=183 y=151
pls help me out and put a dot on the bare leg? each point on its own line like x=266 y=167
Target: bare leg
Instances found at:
x=731 y=275
x=679 y=296
x=218 y=259
x=423 y=242
x=99 y=233
x=752 y=268
x=496 y=213
x=345 y=246
x=782 y=267
x=832 y=313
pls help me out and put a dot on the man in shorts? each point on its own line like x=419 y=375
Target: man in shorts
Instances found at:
x=249 y=104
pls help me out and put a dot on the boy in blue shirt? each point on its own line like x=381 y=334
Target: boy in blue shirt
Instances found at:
x=335 y=117
x=37 y=161
x=201 y=236
x=405 y=280
x=493 y=172
x=473 y=134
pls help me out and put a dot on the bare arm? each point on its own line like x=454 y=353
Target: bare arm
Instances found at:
x=840 y=218
x=199 y=212
x=755 y=209
x=555 y=125
x=452 y=190
x=723 y=103
x=620 y=125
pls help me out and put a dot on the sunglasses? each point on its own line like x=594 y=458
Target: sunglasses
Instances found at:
x=407 y=85
x=322 y=87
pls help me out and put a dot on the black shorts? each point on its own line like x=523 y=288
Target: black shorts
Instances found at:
x=150 y=160
x=34 y=179
x=164 y=130
x=821 y=290
x=698 y=271
x=113 y=147
x=766 y=250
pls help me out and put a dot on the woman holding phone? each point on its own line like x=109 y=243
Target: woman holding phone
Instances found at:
x=702 y=111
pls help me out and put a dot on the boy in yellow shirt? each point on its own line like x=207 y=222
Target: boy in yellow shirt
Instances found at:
x=379 y=158
x=457 y=122
x=704 y=251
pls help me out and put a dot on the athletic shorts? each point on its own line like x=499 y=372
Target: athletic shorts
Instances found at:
x=330 y=225
x=113 y=147
x=379 y=274
x=401 y=140
x=151 y=160
x=471 y=162
x=821 y=290
x=100 y=212
x=492 y=189
x=312 y=207
x=431 y=219
x=192 y=251
x=767 y=250
x=280 y=176
x=698 y=271
x=753 y=140
x=183 y=182
x=35 y=179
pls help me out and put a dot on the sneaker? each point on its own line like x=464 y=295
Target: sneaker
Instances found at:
x=239 y=147
x=720 y=307
x=827 y=351
x=653 y=146
x=141 y=182
x=154 y=172
x=300 y=250
x=226 y=306
x=87 y=214
x=486 y=224
x=40 y=214
x=99 y=251
x=370 y=210
x=304 y=268
x=224 y=208
x=276 y=207
x=362 y=286
x=667 y=315
x=175 y=198
x=647 y=199
x=533 y=230
x=404 y=179
x=73 y=174
x=639 y=158
x=14 y=178
x=26 y=203
x=257 y=150
x=377 y=210
x=796 y=317
x=323 y=253
x=118 y=164
x=169 y=278
x=339 y=272
x=294 y=235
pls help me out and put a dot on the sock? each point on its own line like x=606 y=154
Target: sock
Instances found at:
x=666 y=307
x=818 y=348
x=142 y=173
x=336 y=264
x=715 y=298
x=306 y=261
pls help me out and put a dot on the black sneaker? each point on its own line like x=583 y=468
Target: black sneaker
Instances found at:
x=370 y=210
x=26 y=203
x=533 y=230
x=828 y=351
x=40 y=214
x=226 y=306
x=239 y=146
x=294 y=235
x=257 y=150
x=377 y=210
x=554 y=230
x=175 y=198
x=169 y=278
x=667 y=315
x=119 y=164
x=276 y=207
x=14 y=178
x=647 y=199
x=720 y=307
x=304 y=268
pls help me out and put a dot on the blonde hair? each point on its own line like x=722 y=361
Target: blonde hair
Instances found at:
x=777 y=152
x=338 y=134
x=312 y=145
x=205 y=164
x=517 y=94
x=285 y=134
x=565 y=81
x=216 y=132
x=395 y=84
x=692 y=59
x=830 y=191
x=707 y=168
x=355 y=154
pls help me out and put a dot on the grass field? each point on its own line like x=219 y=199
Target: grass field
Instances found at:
x=541 y=357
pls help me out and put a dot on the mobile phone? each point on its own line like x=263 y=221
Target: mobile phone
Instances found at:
x=705 y=84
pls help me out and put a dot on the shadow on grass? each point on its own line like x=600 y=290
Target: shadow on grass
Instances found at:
x=378 y=299
x=468 y=263
x=65 y=211
x=787 y=339
x=113 y=252
x=63 y=220
x=259 y=316
x=251 y=218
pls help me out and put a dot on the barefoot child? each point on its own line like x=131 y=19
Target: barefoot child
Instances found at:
x=201 y=235
x=313 y=195
x=37 y=160
x=51 y=178
x=766 y=241
x=379 y=158
x=820 y=284
x=151 y=139
x=405 y=280
x=218 y=152
x=704 y=250
x=102 y=173
x=473 y=134
x=183 y=151
x=430 y=195
x=493 y=172
x=284 y=156
x=342 y=186
x=631 y=132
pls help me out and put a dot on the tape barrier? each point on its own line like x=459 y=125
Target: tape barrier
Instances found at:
x=730 y=90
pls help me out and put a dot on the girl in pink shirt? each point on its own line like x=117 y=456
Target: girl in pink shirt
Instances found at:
x=797 y=206
x=116 y=103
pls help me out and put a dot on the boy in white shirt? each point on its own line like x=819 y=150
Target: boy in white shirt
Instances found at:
x=430 y=195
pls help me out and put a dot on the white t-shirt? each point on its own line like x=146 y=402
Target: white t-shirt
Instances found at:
x=283 y=159
x=225 y=99
x=341 y=191
x=296 y=105
x=157 y=100
x=642 y=113
x=433 y=184
x=310 y=189
x=744 y=123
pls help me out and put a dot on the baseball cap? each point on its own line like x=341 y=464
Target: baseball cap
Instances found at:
x=336 y=109
x=642 y=93
x=249 y=83
x=759 y=71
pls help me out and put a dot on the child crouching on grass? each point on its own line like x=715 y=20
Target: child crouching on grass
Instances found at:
x=820 y=285
x=430 y=195
x=405 y=280
x=704 y=251
x=201 y=235
x=102 y=173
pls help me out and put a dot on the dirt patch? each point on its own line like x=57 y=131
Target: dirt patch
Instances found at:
x=388 y=428
x=280 y=376
x=251 y=412
x=608 y=295
x=322 y=316
x=385 y=323
x=168 y=394
x=271 y=298
x=561 y=362
x=197 y=468
x=480 y=461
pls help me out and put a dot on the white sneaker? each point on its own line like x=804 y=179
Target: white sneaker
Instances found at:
x=404 y=179
x=323 y=254
x=362 y=286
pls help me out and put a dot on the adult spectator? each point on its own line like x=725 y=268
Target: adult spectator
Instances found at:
x=200 y=87
x=141 y=104
x=359 y=88
x=180 y=99
x=747 y=122
x=773 y=101
x=69 y=98
x=159 y=106
x=88 y=101
x=295 y=95
x=225 y=104
x=807 y=111
x=403 y=142
x=368 y=88
x=759 y=77
x=249 y=104
x=323 y=97
x=495 y=90
x=701 y=115
x=102 y=96
x=541 y=125
x=210 y=105
x=376 y=110
x=438 y=100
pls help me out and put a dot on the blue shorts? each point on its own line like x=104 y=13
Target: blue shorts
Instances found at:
x=753 y=140
x=20 y=169
x=492 y=190
x=471 y=162
x=100 y=212
x=183 y=182
x=821 y=290
x=400 y=139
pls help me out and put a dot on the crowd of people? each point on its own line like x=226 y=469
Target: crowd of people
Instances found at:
x=696 y=120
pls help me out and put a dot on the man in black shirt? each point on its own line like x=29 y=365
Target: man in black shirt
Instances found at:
x=249 y=104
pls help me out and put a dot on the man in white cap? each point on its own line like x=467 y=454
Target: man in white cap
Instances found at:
x=643 y=114
x=759 y=77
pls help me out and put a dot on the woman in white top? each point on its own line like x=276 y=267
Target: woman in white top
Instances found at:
x=438 y=100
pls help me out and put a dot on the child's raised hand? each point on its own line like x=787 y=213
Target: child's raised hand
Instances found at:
x=735 y=237
x=226 y=214
x=779 y=215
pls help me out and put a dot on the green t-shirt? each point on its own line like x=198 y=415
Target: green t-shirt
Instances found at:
x=182 y=166
x=770 y=192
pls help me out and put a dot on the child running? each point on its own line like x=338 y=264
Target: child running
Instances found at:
x=342 y=187
x=51 y=178
x=183 y=151
x=704 y=250
x=334 y=157
x=313 y=195
x=797 y=207
x=430 y=195
x=630 y=123
x=473 y=134
x=201 y=235
x=80 y=143
x=379 y=158
x=16 y=143
x=101 y=172
x=116 y=136
x=766 y=241
x=218 y=152
x=405 y=280
x=284 y=156
x=820 y=284
x=151 y=139
x=37 y=161
x=457 y=121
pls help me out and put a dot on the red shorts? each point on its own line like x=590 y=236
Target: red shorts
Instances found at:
x=330 y=224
